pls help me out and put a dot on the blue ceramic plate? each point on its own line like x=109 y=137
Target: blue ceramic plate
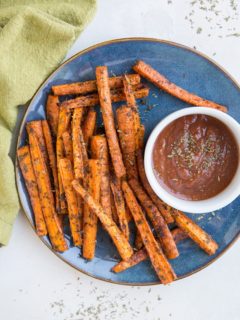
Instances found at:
x=185 y=67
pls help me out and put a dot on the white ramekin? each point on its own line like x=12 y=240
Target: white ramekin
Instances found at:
x=219 y=201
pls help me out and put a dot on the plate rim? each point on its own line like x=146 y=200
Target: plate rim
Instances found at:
x=17 y=171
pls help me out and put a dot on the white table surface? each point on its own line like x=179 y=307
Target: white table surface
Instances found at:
x=36 y=285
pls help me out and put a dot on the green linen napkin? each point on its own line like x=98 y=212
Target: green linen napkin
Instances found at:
x=35 y=36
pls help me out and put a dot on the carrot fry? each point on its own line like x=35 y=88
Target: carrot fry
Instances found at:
x=46 y=197
x=139 y=144
x=131 y=102
x=158 y=259
x=60 y=219
x=91 y=86
x=163 y=83
x=108 y=120
x=67 y=144
x=197 y=234
x=84 y=152
x=25 y=163
x=63 y=124
x=138 y=244
x=140 y=163
x=178 y=235
x=36 y=128
x=90 y=220
x=128 y=91
x=120 y=206
x=142 y=254
x=91 y=100
x=140 y=137
x=164 y=235
x=113 y=209
x=62 y=200
x=99 y=150
x=89 y=125
x=63 y=121
x=126 y=132
x=128 y=214
x=77 y=145
x=117 y=236
x=80 y=157
x=52 y=159
x=136 y=258
x=65 y=168
x=52 y=113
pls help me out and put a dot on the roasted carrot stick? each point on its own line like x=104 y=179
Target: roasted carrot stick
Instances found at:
x=63 y=125
x=89 y=125
x=84 y=152
x=142 y=255
x=136 y=258
x=163 y=233
x=77 y=145
x=128 y=214
x=46 y=197
x=80 y=157
x=131 y=102
x=108 y=120
x=91 y=86
x=67 y=144
x=117 y=236
x=60 y=219
x=62 y=200
x=66 y=172
x=128 y=91
x=91 y=100
x=140 y=137
x=99 y=150
x=52 y=159
x=158 y=259
x=25 y=163
x=120 y=206
x=163 y=83
x=126 y=133
x=63 y=121
x=138 y=244
x=140 y=163
x=178 y=235
x=36 y=128
x=140 y=131
x=113 y=209
x=52 y=112
x=90 y=219
x=197 y=234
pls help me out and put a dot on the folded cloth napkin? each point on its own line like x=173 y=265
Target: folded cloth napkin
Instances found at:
x=35 y=36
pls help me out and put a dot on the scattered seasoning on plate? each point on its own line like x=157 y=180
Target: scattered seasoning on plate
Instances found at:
x=105 y=306
x=220 y=17
x=199 y=30
x=236 y=34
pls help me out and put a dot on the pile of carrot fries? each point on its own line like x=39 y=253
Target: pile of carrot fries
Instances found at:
x=72 y=172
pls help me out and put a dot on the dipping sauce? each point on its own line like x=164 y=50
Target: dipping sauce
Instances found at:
x=195 y=157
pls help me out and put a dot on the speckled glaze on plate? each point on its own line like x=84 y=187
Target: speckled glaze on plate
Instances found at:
x=187 y=68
